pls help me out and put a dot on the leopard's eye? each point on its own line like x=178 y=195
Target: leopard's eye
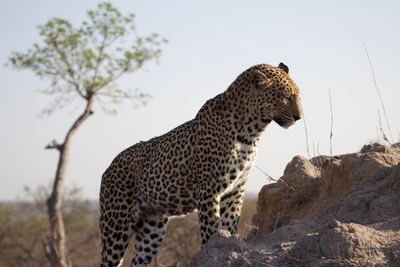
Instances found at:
x=288 y=99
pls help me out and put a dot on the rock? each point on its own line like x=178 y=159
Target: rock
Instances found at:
x=210 y=255
x=327 y=211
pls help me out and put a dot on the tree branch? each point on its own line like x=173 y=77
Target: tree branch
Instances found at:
x=98 y=58
x=110 y=79
x=70 y=70
x=54 y=145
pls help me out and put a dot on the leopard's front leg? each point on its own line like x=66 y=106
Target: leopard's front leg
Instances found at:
x=230 y=208
x=208 y=213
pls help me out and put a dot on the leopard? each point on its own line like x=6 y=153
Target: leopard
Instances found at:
x=201 y=165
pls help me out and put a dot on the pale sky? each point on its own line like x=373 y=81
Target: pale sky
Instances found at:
x=210 y=44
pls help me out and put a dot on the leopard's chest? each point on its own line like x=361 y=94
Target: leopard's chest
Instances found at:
x=240 y=163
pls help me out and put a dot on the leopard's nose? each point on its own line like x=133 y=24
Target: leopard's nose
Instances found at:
x=296 y=117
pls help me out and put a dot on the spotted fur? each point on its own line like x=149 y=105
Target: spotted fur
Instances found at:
x=200 y=165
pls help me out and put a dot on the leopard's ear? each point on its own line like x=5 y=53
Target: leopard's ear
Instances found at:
x=260 y=80
x=283 y=67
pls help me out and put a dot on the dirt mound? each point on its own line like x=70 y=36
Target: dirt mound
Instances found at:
x=327 y=211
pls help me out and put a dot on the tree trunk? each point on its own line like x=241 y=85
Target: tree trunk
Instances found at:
x=55 y=248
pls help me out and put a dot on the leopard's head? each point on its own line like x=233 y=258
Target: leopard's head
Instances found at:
x=277 y=94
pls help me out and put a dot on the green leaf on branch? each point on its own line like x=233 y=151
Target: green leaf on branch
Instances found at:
x=87 y=60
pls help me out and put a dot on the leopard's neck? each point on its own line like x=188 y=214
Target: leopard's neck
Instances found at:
x=234 y=115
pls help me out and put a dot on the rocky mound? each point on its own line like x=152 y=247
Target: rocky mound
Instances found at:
x=327 y=211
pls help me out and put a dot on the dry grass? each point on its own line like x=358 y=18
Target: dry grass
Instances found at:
x=378 y=91
x=23 y=226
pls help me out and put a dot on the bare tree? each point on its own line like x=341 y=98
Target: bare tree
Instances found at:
x=84 y=63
